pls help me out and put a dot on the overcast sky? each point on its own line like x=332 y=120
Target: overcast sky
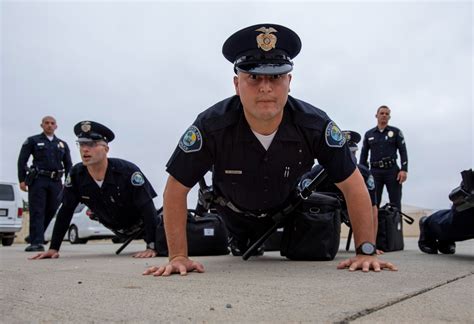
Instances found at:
x=147 y=69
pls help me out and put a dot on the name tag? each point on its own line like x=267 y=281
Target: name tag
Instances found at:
x=233 y=171
x=40 y=144
x=370 y=138
x=208 y=232
x=85 y=197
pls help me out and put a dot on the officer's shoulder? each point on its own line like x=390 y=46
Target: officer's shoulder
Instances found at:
x=307 y=115
x=122 y=166
x=221 y=115
x=60 y=140
x=78 y=168
x=370 y=131
x=34 y=138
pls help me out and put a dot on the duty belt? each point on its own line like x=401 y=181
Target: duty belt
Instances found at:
x=51 y=174
x=385 y=163
x=227 y=203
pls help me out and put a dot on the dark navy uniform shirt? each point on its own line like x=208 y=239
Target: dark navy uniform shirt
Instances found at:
x=384 y=145
x=369 y=182
x=117 y=203
x=252 y=178
x=47 y=155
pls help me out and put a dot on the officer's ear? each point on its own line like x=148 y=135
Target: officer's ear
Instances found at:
x=236 y=84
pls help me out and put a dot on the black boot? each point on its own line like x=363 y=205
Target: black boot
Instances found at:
x=447 y=247
x=34 y=248
x=426 y=244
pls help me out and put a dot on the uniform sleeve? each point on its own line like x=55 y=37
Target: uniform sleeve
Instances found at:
x=67 y=162
x=142 y=191
x=401 y=145
x=192 y=157
x=334 y=155
x=364 y=153
x=149 y=215
x=25 y=152
x=64 y=216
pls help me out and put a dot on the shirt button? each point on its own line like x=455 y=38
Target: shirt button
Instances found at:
x=265 y=178
x=265 y=159
x=265 y=190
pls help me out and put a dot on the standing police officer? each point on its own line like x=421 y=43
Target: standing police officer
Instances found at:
x=258 y=143
x=51 y=159
x=383 y=141
x=116 y=191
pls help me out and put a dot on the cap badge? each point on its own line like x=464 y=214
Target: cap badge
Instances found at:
x=86 y=126
x=266 y=41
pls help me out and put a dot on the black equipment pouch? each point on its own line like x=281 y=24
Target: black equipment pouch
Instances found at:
x=390 y=228
x=31 y=175
x=206 y=235
x=313 y=231
x=273 y=243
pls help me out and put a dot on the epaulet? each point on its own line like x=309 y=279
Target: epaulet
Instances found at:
x=122 y=166
x=306 y=115
x=221 y=115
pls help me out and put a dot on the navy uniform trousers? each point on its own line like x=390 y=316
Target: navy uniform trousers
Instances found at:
x=450 y=225
x=388 y=177
x=43 y=197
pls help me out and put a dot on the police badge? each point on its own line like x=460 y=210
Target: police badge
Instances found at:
x=86 y=126
x=266 y=41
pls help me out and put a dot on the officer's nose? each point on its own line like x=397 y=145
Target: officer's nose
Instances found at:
x=265 y=85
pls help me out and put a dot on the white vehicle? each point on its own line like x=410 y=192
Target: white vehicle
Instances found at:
x=11 y=211
x=82 y=227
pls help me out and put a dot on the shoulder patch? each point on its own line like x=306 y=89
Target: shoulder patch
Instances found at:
x=370 y=182
x=334 y=136
x=191 y=141
x=137 y=179
x=68 y=181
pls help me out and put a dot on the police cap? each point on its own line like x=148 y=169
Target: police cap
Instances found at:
x=352 y=139
x=88 y=131
x=262 y=49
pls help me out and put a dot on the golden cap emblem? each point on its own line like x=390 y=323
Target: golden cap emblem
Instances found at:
x=266 y=41
x=86 y=126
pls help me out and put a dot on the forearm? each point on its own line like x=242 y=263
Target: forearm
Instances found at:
x=174 y=216
x=375 y=216
x=359 y=207
x=63 y=219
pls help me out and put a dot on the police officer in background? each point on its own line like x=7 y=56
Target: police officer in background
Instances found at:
x=258 y=143
x=383 y=141
x=116 y=191
x=42 y=180
x=441 y=230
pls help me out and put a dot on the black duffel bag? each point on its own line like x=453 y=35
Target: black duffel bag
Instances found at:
x=390 y=228
x=313 y=231
x=206 y=235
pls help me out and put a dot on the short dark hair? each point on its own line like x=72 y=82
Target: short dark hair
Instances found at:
x=382 y=107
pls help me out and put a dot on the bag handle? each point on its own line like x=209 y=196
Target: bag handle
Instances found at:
x=408 y=219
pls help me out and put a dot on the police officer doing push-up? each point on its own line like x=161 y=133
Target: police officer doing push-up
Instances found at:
x=116 y=191
x=258 y=143
x=441 y=230
x=51 y=160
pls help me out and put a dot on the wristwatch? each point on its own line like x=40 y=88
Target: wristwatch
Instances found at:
x=366 y=248
x=150 y=245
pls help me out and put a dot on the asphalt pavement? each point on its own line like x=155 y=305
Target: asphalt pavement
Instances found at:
x=90 y=284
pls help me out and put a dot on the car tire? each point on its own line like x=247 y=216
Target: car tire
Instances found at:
x=7 y=241
x=118 y=240
x=73 y=236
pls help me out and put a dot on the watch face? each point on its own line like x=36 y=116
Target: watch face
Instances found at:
x=367 y=248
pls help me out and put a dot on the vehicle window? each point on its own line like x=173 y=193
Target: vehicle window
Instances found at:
x=79 y=208
x=6 y=192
